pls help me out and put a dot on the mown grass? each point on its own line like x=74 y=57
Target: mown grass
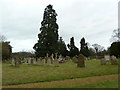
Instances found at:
x=33 y=73
x=105 y=84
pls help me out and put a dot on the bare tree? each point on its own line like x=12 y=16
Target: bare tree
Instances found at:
x=98 y=48
x=116 y=36
x=2 y=38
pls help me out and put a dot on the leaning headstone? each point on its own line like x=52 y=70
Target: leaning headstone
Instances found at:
x=114 y=60
x=103 y=61
x=81 y=62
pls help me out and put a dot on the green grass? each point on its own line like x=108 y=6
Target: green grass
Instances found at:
x=33 y=73
x=105 y=84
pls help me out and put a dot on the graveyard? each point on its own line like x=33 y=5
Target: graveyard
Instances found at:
x=52 y=62
x=25 y=74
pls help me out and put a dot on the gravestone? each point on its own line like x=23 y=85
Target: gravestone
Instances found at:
x=114 y=60
x=103 y=61
x=48 y=61
x=52 y=58
x=107 y=57
x=29 y=60
x=13 y=62
x=34 y=61
x=43 y=61
x=75 y=59
x=56 y=61
x=60 y=58
x=38 y=61
x=17 y=62
x=81 y=62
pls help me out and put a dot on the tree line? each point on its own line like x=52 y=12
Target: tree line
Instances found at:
x=50 y=43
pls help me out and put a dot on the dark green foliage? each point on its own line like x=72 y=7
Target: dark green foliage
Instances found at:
x=73 y=49
x=115 y=49
x=62 y=47
x=6 y=50
x=48 y=38
x=84 y=48
x=92 y=52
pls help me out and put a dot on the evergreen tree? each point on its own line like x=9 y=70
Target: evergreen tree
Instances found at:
x=6 y=50
x=115 y=49
x=48 y=37
x=73 y=49
x=84 y=48
x=62 y=47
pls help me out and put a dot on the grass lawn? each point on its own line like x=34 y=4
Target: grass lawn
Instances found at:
x=33 y=73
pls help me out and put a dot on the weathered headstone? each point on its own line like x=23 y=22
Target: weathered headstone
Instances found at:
x=75 y=59
x=103 y=61
x=107 y=57
x=114 y=60
x=34 y=61
x=48 y=61
x=52 y=58
x=39 y=61
x=56 y=61
x=81 y=62
x=68 y=58
x=43 y=61
x=29 y=60
x=13 y=62
x=17 y=62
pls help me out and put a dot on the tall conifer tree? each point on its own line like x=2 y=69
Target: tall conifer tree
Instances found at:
x=73 y=49
x=84 y=48
x=48 y=37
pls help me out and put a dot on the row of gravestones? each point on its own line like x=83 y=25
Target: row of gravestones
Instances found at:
x=49 y=60
x=111 y=59
x=42 y=61
x=81 y=60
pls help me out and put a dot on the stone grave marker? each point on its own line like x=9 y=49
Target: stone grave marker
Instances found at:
x=75 y=59
x=13 y=62
x=81 y=62
x=29 y=60
x=48 y=61
x=56 y=61
x=34 y=61
x=103 y=61
x=52 y=58
x=107 y=58
x=114 y=60
x=39 y=61
x=43 y=61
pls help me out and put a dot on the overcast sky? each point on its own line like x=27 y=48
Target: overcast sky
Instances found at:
x=95 y=20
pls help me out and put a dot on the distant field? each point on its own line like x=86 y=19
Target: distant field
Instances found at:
x=33 y=73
